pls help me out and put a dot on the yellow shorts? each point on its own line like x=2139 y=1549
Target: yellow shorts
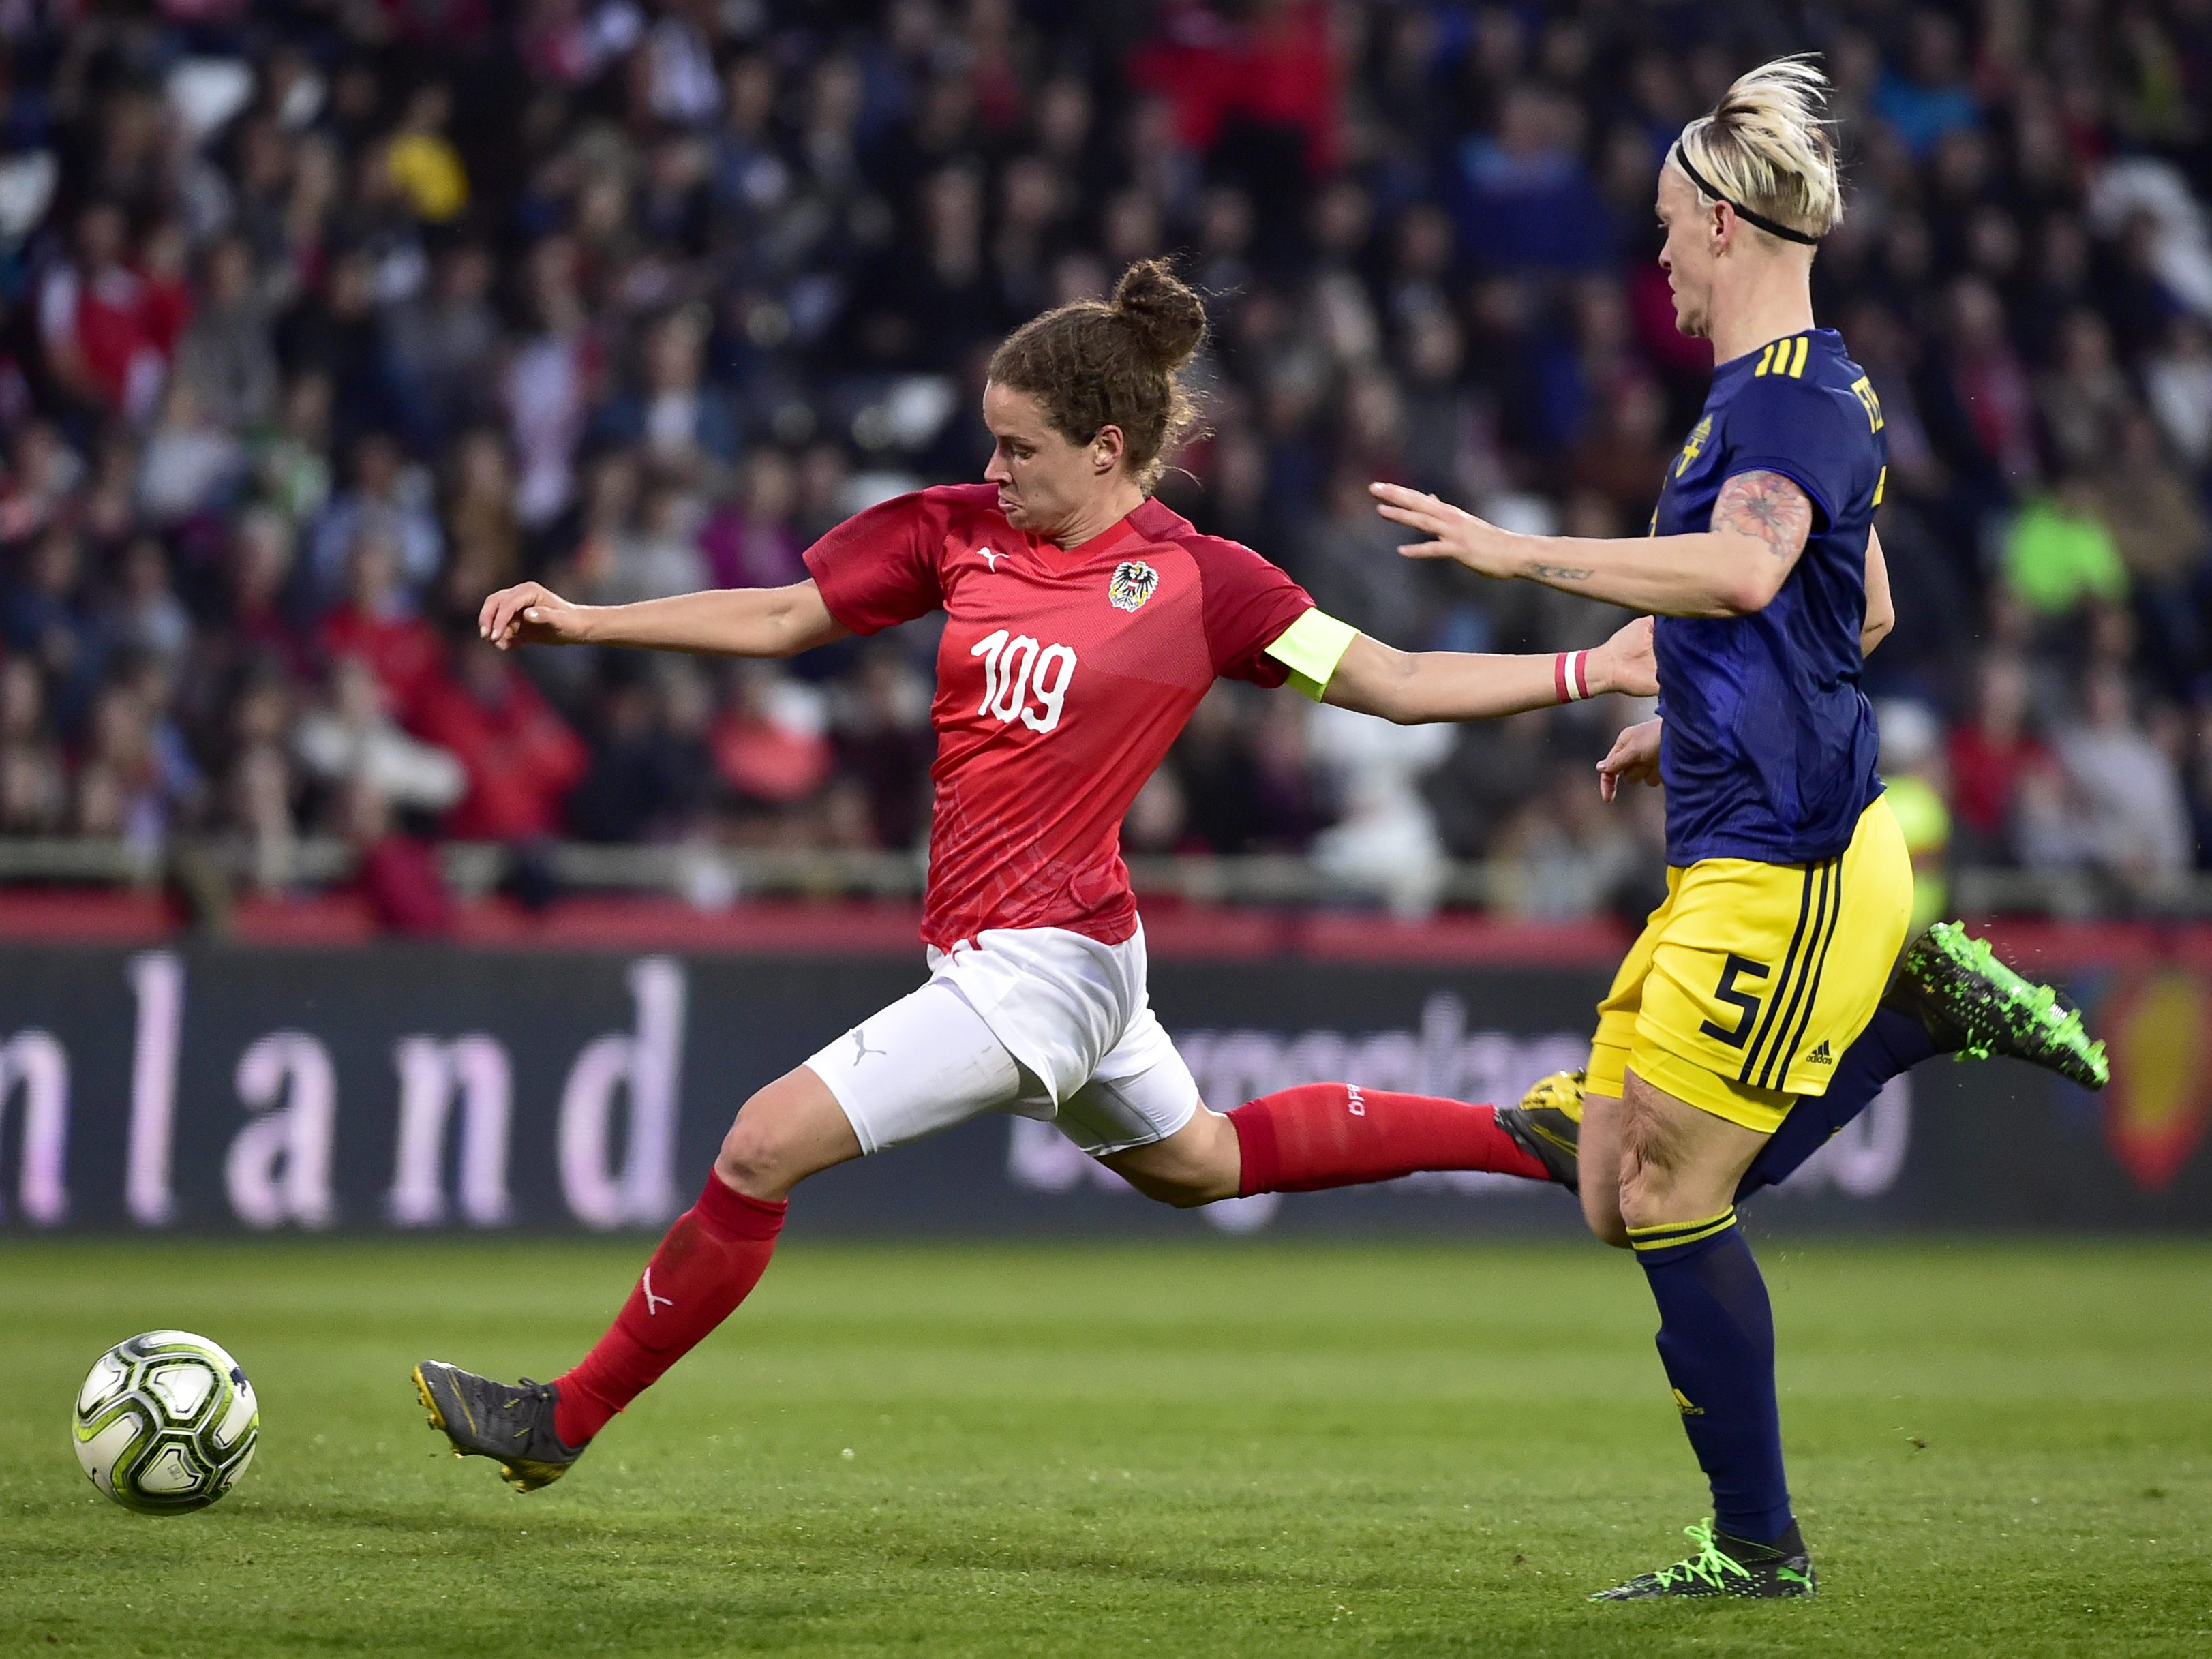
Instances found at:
x=1750 y=981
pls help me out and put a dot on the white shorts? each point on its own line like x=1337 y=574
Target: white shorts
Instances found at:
x=1039 y=1022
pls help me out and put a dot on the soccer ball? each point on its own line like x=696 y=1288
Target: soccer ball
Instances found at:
x=166 y=1423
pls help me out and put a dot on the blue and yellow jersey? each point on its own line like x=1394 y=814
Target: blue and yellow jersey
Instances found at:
x=1768 y=751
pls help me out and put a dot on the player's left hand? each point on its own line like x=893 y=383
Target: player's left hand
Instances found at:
x=1626 y=663
x=1634 y=758
x=1454 y=533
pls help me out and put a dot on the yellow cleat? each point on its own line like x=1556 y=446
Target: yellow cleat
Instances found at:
x=1548 y=1124
x=1561 y=1092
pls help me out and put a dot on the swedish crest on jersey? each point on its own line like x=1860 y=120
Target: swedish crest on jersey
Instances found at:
x=1694 y=446
x=1131 y=584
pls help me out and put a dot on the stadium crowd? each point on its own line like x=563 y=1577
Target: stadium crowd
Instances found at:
x=318 y=321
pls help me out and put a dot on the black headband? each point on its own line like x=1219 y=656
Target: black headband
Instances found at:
x=1682 y=160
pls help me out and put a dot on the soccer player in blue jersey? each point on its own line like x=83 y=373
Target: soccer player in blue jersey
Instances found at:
x=1789 y=887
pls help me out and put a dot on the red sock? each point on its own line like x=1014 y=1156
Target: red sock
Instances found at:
x=708 y=1263
x=1338 y=1134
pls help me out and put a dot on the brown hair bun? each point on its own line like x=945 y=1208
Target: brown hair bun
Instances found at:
x=1168 y=319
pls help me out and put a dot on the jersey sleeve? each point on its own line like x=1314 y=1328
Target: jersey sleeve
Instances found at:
x=1814 y=434
x=1249 y=605
x=878 y=568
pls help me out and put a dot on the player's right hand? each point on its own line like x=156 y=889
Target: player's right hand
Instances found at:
x=1630 y=662
x=1634 y=758
x=529 y=613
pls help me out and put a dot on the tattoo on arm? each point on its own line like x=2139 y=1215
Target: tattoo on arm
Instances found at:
x=1767 y=507
x=1559 y=572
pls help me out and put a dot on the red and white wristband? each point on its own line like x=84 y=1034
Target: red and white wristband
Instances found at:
x=1570 y=676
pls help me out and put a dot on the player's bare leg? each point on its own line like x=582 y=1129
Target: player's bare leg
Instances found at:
x=1599 y=1153
x=1680 y=1166
x=788 y=1130
x=1677 y=1164
x=1197 y=1164
x=708 y=1263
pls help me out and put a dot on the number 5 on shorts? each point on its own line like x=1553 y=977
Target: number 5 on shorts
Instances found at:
x=1727 y=992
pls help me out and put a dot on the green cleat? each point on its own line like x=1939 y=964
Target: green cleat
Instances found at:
x=510 y=1423
x=1726 y=1566
x=1954 y=985
x=1548 y=1124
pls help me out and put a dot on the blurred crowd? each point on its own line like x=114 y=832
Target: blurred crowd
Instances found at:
x=320 y=318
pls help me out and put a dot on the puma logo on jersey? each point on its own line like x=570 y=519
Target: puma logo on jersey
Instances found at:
x=860 y=1049
x=990 y=558
x=654 y=1303
x=1131 y=584
x=1820 y=1056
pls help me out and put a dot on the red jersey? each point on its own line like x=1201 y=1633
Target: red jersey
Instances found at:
x=1063 y=677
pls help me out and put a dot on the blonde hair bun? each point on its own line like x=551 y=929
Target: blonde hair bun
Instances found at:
x=1767 y=146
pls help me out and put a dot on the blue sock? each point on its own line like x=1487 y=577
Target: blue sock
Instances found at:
x=1892 y=1044
x=1717 y=1341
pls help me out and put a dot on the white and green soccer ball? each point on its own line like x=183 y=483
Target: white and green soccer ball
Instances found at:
x=166 y=1423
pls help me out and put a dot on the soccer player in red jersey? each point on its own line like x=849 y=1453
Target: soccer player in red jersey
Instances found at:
x=1084 y=621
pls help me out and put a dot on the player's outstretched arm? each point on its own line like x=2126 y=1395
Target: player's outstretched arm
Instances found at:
x=1759 y=525
x=729 y=622
x=1414 y=687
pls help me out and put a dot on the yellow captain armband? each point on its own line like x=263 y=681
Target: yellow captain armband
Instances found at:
x=1310 y=649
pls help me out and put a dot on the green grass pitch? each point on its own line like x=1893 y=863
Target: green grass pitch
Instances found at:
x=1272 y=1449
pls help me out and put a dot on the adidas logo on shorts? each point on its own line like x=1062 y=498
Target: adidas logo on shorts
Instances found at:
x=1820 y=1056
